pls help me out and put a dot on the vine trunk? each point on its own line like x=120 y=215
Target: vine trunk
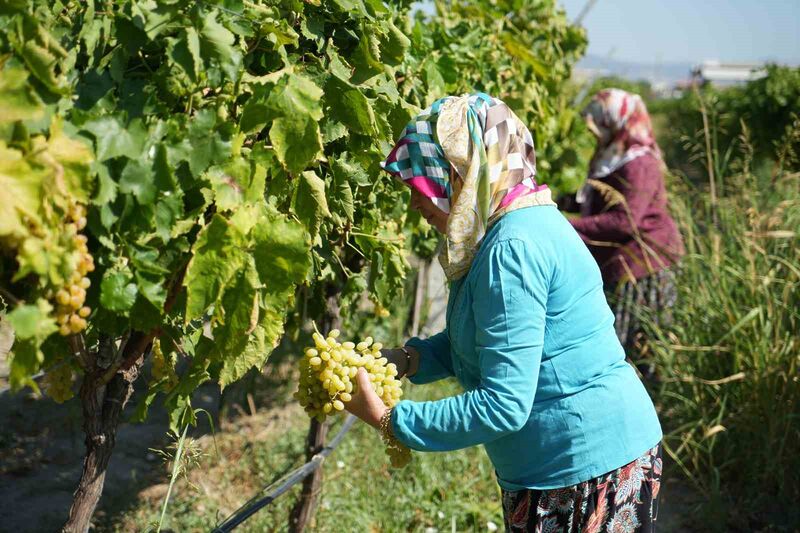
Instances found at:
x=303 y=511
x=102 y=407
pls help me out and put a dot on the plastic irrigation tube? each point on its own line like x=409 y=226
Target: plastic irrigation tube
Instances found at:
x=252 y=507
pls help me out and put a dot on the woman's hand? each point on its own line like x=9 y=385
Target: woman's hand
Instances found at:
x=365 y=403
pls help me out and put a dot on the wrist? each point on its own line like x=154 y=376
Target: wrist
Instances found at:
x=378 y=417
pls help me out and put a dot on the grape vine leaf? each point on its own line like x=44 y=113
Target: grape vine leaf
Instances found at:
x=70 y=158
x=18 y=101
x=281 y=252
x=218 y=42
x=394 y=45
x=311 y=204
x=349 y=106
x=297 y=141
x=117 y=290
x=23 y=185
x=137 y=179
x=113 y=139
x=236 y=343
x=185 y=52
x=217 y=255
x=32 y=321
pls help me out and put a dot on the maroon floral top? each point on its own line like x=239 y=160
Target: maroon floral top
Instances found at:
x=609 y=231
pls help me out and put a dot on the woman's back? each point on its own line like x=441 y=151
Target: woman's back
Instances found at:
x=590 y=412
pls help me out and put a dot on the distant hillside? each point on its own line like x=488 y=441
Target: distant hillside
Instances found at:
x=667 y=73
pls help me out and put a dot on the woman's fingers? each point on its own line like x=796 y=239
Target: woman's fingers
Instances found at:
x=363 y=382
x=365 y=403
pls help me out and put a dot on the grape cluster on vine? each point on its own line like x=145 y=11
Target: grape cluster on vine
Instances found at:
x=163 y=369
x=71 y=313
x=57 y=383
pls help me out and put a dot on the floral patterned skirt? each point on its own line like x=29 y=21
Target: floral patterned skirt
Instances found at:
x=622 y=501
x=652 y=297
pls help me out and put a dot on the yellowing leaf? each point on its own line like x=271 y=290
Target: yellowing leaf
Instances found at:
x=21 y=191
x=217 y=256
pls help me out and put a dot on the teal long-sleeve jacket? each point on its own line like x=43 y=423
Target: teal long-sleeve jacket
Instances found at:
x=531 y=339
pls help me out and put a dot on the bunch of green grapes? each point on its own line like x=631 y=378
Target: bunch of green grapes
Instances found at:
x=57 y=383
x=71 y=313
x=163 y=367
x=328 y=371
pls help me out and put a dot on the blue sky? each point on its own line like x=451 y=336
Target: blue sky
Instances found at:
x=692 y=30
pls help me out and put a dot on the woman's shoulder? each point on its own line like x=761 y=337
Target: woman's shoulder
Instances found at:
x=533 y=225
x=524 y=234
x=645 y=166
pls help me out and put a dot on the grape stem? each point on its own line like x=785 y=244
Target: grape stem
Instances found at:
x=6 y=294
x=374 y=237
x=78 y=345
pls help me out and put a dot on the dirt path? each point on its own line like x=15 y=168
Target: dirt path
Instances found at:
x=41 y=451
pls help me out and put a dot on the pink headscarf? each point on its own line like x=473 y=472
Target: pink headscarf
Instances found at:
x=622 y=125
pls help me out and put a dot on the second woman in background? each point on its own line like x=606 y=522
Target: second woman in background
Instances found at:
x=624 y=217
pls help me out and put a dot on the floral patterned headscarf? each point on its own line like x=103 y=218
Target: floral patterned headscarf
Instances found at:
x=620 y=121
x=475 y=160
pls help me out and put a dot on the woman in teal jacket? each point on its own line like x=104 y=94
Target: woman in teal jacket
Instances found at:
x=572 y=434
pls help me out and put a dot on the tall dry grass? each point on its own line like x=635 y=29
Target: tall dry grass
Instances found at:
x=730 y=391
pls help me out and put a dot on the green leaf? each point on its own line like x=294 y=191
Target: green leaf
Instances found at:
x=42 y=64
x=18 y=101
x=169 y=210
x=218 y=42
x=337 y=65
x=207 y=143
x=394 y=45
x=32 y=321
x=311 y=205
x=106 y=186
x=342 y=197
x=239 y=342
x=254 y=115
x=237 y=182
x=117 y=290
x=313 y=29
x=297 y=141
x=281 y=33
x=22 y=184
x=346 y=170
x=185 y=52
x=281 y=252
x=515 y=47
x=26 y=359
x=152 y=288
x=295 y=94
x=138 y=179
x=333 y=131
x=73 y=159
x=367 y=58
x=217 y=256
x=113 y=139
x=434 y=79
x=349 y=106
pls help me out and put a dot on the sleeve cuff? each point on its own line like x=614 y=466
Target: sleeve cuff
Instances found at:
x=428 y=368
x=399 y=427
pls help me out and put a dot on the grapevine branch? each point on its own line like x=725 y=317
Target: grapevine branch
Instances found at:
x=138 y=341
